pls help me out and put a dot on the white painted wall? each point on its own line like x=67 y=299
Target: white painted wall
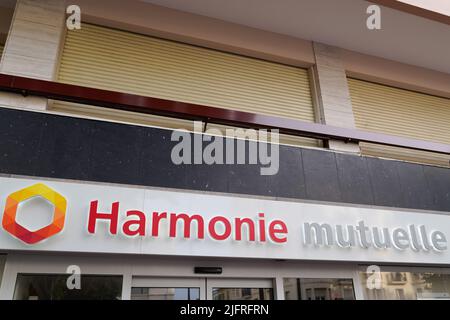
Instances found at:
x=172 y=267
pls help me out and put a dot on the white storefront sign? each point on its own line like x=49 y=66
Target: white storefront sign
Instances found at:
x=124 y=220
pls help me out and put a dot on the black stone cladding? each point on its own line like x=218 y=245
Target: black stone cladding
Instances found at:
x=43 y=145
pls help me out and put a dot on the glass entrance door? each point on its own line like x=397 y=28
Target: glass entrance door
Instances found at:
x=168 y=289
x=239 y=289
x=144 y=288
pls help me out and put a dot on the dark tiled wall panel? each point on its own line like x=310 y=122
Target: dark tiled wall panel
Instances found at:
x=43 y=145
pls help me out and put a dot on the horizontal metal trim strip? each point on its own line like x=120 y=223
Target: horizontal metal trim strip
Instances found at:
x=124 y=101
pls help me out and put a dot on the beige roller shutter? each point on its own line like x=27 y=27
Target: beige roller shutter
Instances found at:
x=1 y=50
x=122 y=61
x=399 y=112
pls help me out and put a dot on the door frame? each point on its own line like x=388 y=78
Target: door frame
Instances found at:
x=205 y=284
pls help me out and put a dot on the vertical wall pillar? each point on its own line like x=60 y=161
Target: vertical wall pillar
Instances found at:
x=335 y=107
x=33 y=47
x=7 y=281
x=2 y=266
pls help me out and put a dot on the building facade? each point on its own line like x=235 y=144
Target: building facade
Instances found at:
x=134 y=158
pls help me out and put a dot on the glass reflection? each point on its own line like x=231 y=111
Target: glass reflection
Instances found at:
x=165 y=293
x=54 y=287
x=318 y=289
x=242 y=294
x=408 y=286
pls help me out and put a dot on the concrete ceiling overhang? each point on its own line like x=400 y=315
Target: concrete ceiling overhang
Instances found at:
x=403 y=37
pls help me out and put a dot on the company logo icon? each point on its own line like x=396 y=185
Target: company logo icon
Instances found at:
x=38 y=190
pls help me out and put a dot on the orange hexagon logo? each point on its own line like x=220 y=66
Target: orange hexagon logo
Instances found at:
x=38 y=190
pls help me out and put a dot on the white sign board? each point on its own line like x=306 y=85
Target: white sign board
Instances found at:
x=125 y=220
